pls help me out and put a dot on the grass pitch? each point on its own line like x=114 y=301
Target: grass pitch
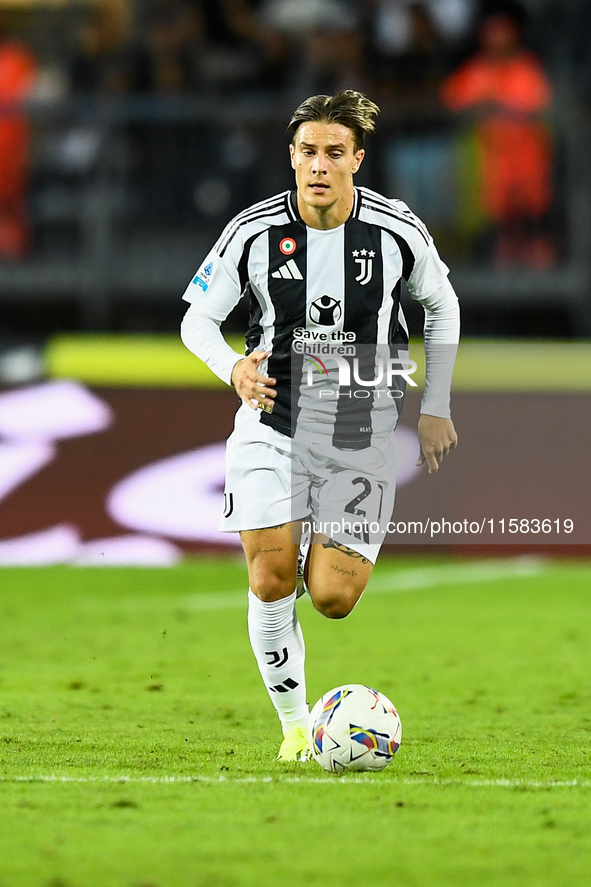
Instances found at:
x=137 y=742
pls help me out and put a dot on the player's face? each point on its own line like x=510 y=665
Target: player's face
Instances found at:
x=324 y=159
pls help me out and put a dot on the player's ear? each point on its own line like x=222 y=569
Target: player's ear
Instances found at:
x=291 y=154
x=359 y=155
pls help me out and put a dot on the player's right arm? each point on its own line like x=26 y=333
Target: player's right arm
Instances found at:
x=212 y=294
x=252 y=386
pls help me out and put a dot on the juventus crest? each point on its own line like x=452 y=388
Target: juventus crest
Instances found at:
x=364 y=259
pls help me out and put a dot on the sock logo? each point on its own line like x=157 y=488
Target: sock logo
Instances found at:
x=277 y=659
x=288 y=684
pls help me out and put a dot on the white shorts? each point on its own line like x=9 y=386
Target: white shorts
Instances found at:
x=271 y=481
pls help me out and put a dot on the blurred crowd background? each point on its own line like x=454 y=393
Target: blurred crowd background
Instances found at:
x=132 y=130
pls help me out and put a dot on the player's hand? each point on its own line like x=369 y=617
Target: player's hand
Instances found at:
x=251 y=386
x=436 y=438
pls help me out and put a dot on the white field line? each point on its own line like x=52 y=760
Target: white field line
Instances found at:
x=383 y=582
x=303 y=780
x=395 y=581
x=456 y=574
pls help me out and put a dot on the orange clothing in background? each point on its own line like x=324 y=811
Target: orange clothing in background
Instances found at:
x=515 y=147
x=17 y=76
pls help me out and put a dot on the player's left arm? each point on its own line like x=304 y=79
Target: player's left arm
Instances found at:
x=429 y=284
x=437 y=437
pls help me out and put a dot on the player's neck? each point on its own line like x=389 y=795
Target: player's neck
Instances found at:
x=327 y=217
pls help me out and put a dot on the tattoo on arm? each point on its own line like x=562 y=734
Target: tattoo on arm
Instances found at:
x=330 y=543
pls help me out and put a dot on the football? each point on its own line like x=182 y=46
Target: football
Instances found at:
x=354 y=728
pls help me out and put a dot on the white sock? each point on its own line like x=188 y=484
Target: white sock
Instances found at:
x=278 y=645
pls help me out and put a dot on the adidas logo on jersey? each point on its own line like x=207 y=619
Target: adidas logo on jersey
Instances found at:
x=289 y=271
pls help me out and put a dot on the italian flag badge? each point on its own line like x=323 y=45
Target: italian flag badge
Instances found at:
x=287 y=246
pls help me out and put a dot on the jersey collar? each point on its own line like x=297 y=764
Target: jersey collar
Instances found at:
x=293 y=211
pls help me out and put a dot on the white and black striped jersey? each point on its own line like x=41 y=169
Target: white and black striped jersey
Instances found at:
x=306 y=282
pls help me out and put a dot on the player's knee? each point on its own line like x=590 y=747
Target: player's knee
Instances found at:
x=335 y=606
x=333 y=609
x=271 y=585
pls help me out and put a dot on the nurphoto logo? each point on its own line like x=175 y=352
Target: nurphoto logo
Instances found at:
x=384 y=370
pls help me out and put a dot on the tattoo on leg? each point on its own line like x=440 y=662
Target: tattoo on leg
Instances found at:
x=337 y=569
x=276 y=527
x=330 y=543
x=268 y=550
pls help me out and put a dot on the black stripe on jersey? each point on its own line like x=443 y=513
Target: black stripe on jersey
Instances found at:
x=415 y=221
x=363 y=300
x=288 y=297
x=269 y=211
x=352 y=423
x=397 y=335
x=255 y=313
x=257 y=208
x=396 y=206
x=255 y=310
x=243 y=263
x=393 y=214
x=408 y=257
x=292 y=206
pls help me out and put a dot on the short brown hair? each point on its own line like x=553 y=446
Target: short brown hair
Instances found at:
x=349 y=108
